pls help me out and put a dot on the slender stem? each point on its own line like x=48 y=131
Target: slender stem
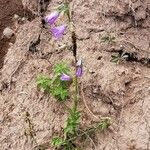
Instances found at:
x=68 y=11
x=76 y=95
x=92 y=129
x=73 y=36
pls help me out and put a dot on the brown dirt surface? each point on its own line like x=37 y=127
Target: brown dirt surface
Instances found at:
x=7 y=10
x=120 y=91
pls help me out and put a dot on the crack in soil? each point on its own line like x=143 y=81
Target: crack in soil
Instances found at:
x=133 y=58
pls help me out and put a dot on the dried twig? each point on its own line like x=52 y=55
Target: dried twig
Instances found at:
x=85 y=103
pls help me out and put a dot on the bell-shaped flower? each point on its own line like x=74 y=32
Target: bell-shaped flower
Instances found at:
x=50 y=19
x=65 y=77
x=59 y=31
x=79 y=69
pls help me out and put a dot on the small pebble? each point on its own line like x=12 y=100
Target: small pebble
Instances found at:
x=8 y=33
x=92 y=71
x=16 y=17
x=23 y=19
x=10 y=44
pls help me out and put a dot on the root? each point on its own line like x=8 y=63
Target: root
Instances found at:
x=85 y=103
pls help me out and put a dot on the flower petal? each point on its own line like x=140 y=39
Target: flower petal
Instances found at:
x=50 y=19
x=59 y=31
x=79 y=71
x=65 y=77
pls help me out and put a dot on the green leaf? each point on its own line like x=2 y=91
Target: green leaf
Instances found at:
x=104 y=124
x=61 y=68
x=60 y=93
x=64 y=94
x=63 y=8
x=72 y=122
x=44 y=83
x=57 y=141
x=58 y=88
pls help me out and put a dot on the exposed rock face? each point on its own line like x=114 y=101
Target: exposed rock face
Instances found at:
x=7 y=10
x=31 y=5
x=8 y=33
x=120 y=91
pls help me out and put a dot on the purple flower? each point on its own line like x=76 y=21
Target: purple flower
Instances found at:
x=65 y=77
x=58 y=32
x=79 y=69
x=50 y=19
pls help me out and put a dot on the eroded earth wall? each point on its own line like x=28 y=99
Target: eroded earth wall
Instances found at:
x=120 y=91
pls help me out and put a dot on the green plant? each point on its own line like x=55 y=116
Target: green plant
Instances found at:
x=55 y=86
x=69 y=141
x=61 y=67
x=59 y=85
x=118 y=58
x=108 y=38
x=72 y=122
x=57 y=142
x=44 y=83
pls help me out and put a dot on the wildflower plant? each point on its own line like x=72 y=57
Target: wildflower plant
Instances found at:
x=63 y=78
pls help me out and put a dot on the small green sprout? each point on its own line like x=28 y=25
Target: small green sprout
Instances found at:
x=104 y=124
x=69 y=132
x=119 y=57
x=108 y=38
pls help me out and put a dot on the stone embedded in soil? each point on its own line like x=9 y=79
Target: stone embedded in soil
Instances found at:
x=8 y=32
x=16 y=17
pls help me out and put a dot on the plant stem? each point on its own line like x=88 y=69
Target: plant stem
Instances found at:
x=87 y=131
x=73 y=36
x=68 y=11
x=100 y=126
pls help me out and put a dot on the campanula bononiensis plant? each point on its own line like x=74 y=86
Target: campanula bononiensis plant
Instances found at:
x=63 y=79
